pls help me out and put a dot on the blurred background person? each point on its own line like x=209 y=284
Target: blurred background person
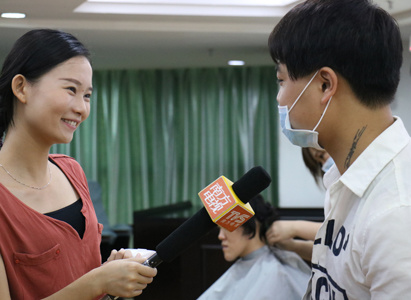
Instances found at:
x=298 y=235
x=318 y=162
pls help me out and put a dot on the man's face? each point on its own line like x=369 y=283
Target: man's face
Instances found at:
x=302 y=115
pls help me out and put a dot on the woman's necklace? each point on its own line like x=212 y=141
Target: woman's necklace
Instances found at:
x=30 y=186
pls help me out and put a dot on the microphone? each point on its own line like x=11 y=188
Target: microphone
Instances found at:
x=249 y=185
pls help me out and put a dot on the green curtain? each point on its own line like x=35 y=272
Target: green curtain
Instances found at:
x=157 y=137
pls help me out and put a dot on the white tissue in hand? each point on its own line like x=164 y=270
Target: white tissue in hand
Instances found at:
x=143 y=252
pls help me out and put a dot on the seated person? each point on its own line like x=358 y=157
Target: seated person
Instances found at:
x=260 y=272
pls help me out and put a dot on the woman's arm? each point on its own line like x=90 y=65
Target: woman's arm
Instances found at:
x=120 y=277
x=124 y=278
x=301 y=247
x=282 y=234
x=285 y=230
x=4 y=286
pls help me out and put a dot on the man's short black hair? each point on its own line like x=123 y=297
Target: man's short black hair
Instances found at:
x=357 y=39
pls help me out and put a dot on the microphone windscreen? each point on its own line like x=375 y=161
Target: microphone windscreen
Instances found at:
x=249 y=185
x=188 y=232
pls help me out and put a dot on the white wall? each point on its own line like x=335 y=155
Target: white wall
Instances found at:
x=402 y=104
x=296 y=185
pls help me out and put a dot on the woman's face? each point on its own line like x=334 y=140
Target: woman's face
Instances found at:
x=234 y=244
x=319 y=156
x=58 y=102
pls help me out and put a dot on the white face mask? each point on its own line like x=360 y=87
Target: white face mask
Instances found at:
x=300 y=137
x=327 y=165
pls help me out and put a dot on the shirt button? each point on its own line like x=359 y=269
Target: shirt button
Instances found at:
x=58 y=251
x=17 y=261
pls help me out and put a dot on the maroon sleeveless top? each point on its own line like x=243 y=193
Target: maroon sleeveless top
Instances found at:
x=42 y=254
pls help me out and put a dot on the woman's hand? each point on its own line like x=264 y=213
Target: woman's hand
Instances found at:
x=125 y=277
x=120 y=254
x=280 y=231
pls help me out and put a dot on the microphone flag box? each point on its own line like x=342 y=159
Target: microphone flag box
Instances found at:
x=223 y=205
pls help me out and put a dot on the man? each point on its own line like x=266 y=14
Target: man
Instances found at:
x=338 y=69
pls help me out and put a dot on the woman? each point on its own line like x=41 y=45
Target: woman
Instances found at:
x=260 y=272
x=49 y=244
x=318 y=162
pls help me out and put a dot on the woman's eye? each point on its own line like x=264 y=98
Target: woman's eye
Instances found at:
x=87 y=96
x=72 y=89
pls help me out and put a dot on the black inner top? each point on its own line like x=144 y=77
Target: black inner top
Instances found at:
x=72 y=215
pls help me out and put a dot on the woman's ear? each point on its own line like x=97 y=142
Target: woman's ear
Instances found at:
x=19 y=86
x=329 y=83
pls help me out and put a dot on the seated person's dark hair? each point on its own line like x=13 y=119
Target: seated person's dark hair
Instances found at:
x=265 y=214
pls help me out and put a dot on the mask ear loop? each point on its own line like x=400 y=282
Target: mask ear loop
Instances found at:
x=322 y=116
x=299 y=96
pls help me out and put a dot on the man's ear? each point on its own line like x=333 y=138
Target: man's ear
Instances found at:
x=329 y=83
x=19 y=86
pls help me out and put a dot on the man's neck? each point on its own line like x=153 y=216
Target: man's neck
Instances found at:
x=356 y=133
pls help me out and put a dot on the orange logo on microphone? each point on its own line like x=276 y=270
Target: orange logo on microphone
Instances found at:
x=223 y=205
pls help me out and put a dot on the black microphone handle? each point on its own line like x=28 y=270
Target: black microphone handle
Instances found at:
x=153 y=261
x=192 y=230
